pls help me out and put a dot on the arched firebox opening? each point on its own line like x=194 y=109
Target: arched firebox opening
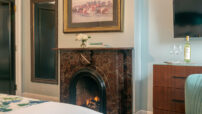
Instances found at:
x=87 y=89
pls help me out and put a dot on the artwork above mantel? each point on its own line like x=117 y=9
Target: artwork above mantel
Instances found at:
x=93 y=16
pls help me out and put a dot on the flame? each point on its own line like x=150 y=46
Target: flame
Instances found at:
x=87 y=101
x=97 y=99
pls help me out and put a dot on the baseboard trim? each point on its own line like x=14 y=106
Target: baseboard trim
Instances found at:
x=143 y=112
x=40 y=97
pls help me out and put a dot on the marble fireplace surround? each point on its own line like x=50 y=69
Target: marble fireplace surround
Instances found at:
x=114 y=66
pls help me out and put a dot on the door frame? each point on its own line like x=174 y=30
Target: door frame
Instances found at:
x=18 y=45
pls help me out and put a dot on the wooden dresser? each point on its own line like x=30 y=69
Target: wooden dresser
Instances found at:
x=168 y=90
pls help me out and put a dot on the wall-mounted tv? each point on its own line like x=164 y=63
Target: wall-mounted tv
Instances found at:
x=187 y=18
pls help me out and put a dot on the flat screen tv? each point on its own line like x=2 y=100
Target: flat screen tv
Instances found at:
x=187 y=18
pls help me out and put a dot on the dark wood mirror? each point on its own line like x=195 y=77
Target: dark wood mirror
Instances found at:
x=44 y=33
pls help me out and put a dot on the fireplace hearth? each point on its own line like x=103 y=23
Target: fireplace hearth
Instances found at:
x=99 y=79
x=87 y=89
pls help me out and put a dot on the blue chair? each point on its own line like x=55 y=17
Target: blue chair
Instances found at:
x=193 y=94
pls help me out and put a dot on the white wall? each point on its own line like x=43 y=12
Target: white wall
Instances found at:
x=156 y=41
x=114 y=39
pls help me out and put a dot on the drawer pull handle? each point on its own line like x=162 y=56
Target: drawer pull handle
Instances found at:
x=178 y=101
x=177 y=77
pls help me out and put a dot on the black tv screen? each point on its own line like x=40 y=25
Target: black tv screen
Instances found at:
x=187 y=18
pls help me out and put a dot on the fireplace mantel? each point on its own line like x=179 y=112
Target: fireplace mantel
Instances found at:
x=114 y=66
x=90 y=48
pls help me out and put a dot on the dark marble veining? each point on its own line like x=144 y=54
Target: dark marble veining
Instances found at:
x=113 y=65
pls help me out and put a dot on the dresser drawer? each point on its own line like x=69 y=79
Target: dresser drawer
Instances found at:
x=156 y=111
x=170 y=99
x=177 y=81
x=173 y=76
x=180 y=73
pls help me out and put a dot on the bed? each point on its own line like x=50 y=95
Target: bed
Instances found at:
x=10 y=104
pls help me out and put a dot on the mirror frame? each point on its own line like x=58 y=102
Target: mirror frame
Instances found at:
x=33 y=77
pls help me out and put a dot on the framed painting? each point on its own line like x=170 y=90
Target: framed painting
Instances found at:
x=93 y=15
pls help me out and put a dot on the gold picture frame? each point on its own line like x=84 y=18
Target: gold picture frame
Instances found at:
x=93 y=16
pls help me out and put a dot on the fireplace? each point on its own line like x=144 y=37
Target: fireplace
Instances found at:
x=87 y=89
x=97 y=78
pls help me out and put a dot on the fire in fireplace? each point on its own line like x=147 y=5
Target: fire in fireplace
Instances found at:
x=87 y=89
x=87 y=93
x=92 y=103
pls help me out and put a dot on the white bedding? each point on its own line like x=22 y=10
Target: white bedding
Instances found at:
x=53 y=108
x=10 y=104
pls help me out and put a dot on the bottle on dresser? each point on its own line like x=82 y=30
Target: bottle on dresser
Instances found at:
x=187 y=51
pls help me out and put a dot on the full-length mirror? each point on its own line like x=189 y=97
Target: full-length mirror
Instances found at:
x=44 y=39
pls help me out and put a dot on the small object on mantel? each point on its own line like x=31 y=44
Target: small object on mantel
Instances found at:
x=83 y=38
x=95 y=44
x=107 y=46
x=98 y=44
